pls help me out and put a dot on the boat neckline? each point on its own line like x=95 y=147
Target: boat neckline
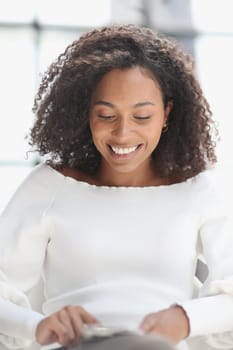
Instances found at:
x=88 y=184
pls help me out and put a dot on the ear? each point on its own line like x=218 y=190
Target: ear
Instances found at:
x=167 y=111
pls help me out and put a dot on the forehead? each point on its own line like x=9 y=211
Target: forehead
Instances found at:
x=135 y=83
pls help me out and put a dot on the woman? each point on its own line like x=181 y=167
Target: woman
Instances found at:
x=116 y=218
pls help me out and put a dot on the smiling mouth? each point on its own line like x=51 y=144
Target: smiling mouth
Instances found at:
x=123 y=150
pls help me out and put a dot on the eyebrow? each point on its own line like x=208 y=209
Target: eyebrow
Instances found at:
x=136 y=105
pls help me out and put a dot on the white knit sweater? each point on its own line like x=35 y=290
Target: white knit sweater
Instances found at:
x=120 y=252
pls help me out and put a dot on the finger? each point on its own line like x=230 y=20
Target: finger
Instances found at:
x=63 y=333
x=77 y=324
x=148 y=323
x=76 y=319
x=86 y=316
x=65 y=319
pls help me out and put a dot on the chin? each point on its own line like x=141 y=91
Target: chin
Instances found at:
x=124 y=169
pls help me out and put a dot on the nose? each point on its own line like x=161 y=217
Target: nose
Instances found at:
x=122 y=127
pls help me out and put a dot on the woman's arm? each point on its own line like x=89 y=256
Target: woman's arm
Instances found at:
x=24 y=234
x=211 y=315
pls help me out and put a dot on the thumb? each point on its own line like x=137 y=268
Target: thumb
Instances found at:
x=146 y=324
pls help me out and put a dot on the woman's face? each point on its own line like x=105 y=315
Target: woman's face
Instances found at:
x=127 y=115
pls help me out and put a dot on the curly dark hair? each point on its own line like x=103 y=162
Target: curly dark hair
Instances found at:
x=61 y=129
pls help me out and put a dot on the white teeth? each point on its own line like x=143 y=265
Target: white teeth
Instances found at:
x=119 y=150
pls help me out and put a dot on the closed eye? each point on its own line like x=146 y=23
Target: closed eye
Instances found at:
x=142 y=117
x=105 y=116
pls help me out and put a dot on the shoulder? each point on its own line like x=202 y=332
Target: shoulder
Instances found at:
x=199 y=190
x=39 y=186
x=207 y=184
x=43 y=176
x=207 y=190
x=202 y=182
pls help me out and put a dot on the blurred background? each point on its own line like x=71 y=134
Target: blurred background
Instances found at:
x=35 y=32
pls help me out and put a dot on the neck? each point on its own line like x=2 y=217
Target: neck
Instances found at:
x=139 y=178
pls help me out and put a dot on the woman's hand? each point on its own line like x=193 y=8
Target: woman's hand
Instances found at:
x=171 y=323
x=64 y=327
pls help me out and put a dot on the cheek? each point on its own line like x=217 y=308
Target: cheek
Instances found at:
x=98 y=133
x=153 y=132
x=94 y=128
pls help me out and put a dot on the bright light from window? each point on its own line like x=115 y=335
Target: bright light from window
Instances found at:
x=214 y=56
x=17 y=87
x=22 y=11
x=212 y=15
x=86 y=13
x=52 y=44
x=74 y=12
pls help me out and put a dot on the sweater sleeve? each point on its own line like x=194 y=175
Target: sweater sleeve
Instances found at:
x=211 y=315
x=24 y=235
